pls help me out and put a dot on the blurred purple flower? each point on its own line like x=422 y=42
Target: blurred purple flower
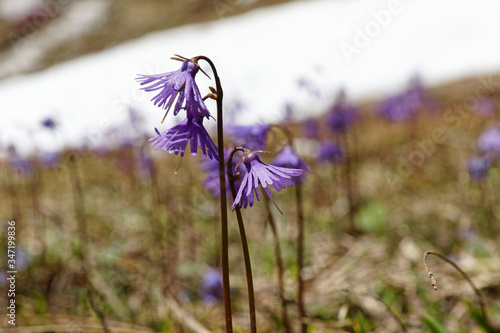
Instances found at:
x=310 y=128
x=485 y=106
x=175 y=139
x=49 y=123
x=330 y=151
x=478 y=167
x=211 y=168
x=288 y=159
x=179 y=84
x=18 y=164
x=342 y=115
x=397 y=108
x=252 y=136
x=489 y=141
x=211 y=288
x=259 y=173
x=404 y=106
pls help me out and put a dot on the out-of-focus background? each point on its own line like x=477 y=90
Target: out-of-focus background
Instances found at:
x=393 y=104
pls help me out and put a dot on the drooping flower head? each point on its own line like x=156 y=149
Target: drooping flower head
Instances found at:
x=489 y=141
x=258 y=173
x=175 y=139
x=179 y=85
x=251 y=136
x=330 y=151
x=211 y=168
x=342 y=115
x=478 y=167
x=288 y=159
x=211 y=288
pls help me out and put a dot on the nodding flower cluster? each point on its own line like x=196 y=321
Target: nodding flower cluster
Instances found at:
x=178 y=89
x=180 y=85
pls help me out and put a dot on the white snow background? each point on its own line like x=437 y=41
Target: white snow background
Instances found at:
x=260 y=57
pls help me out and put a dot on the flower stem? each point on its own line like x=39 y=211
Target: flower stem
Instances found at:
x=223 y=199
x=300 y=257
x=244 y=244
x=480 y=297
x=281 y=270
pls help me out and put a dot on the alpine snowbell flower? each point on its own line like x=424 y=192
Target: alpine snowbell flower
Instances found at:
x=489 y=141
x=252 y=136
x=179 y=84
x=288 y=159
x=478 y=167
x=175 y=139
x=331 y=152
x=259 y=173
x=211 y=287
x=342 y=115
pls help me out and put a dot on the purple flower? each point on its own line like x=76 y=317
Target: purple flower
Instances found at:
x=175 y=139
x=397 y=108
x=49 y=123
x=211 y=168
x=259 y=173
x=331 y=152
x=252 y=136
x=489 y=141
x=342 y=115
x=179 y=84
x=484 y=106
x=18 y=164
x=478 y=167
x=310 y=128
x=288 y=159
x=404 y=106
x=211 y=288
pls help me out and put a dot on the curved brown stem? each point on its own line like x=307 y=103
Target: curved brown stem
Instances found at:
x=480 y=297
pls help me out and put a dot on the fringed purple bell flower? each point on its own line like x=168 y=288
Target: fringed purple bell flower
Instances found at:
x=330 y=151
x=489 y=141
x=175 y=139
x=179 y=84
x=211 y=289
x=342 y=115
x=288 y=159
x=258 y=173
x=478 y=167
x=251 y=136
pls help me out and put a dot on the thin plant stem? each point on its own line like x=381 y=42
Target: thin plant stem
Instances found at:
x=480 y=297
x=244 y=244
x=300 y=258
x=349 y=185
x=281 y=270
x=223 y=199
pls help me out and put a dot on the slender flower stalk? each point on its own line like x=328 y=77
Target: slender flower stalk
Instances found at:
x=480 y=297
x=281 y=269
x=244 y=244
x=180 y=87
x=223 y=198
x=288 y=158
